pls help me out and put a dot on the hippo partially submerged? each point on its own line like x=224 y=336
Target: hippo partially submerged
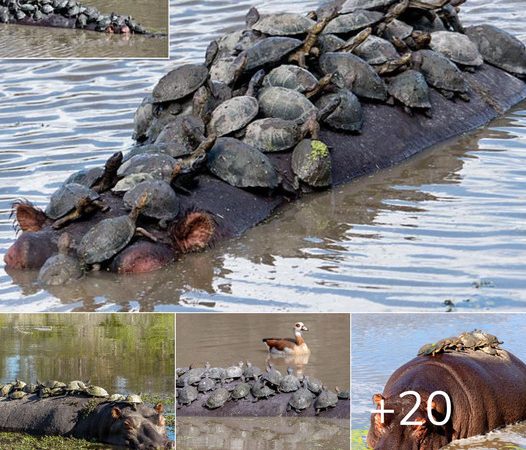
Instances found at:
x=226 y=184
x=486 y=392
x=131 y=426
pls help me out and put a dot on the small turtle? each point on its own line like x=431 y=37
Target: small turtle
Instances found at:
x=19 y=384
x=31 y=388
x=329 y=43
x=348 y=115
x=47 y=9
x=6 y=389
x=272 y=376
x=457 y=47
x=217 y=398
x=312 y=384
x=358 y=76
x=75 y=386
x=241 y=165
x=251 y=371
x=233 y=372
x=179 y=83
x=311 y=163
x=291 y=77
x=159 y=165
x=187 y=394
x=300 y=400
x=97 y=391
x=208 y=97
x=133 y=400
x=110 y=236
x=375 y=50
x=282 y=24
x=499 y=48
x=397 y=30
x=352 y=5
x=261 y=390
x=116 y=398
x=206 y=384
x=284 y=103
x=194 y=375
x=289 y=383
x=217 y=373
x=241 y=390
x=233 y=114
x=269 y=51
x=70 y=202
x=353 y=22
x=86 y=177
x=17 y=395
x=51 y=384
x=326 y=399
x=427 y=350
x=61 y=268
x=410 y=89
x=342 y=395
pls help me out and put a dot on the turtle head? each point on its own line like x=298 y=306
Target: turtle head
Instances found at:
x=252 y=17
x=64 y=243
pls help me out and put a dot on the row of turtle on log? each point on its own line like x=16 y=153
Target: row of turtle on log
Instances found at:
x=266 y=89
x=253 y=385
x=475 y=340
x=14 y=11
x=18 y=389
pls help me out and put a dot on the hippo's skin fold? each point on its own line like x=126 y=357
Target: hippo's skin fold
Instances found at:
x=389 y=136
x=487 y=392
x=65 y=416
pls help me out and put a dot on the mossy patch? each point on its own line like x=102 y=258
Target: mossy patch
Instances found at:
x=20 y=441
x=358 y=439
x=319 y=150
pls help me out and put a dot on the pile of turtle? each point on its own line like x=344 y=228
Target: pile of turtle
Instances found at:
x=247 y=382
x=12 y=11
x=52 y=388
x=475 y=340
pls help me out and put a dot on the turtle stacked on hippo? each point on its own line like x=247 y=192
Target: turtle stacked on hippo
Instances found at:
x=290 y=104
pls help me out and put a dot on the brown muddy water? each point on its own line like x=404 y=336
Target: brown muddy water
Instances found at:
x=447 y=225
x=22 y=41
x=225 y=339
x=383 y=342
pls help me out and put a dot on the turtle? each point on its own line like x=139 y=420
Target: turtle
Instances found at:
x=329 y=43
x=217 y=373
x=284 y=103
x=75 y=386
x=272 y=376
x=187 y=394
x=396 y=29
x=441 y=73
x=17 y=395
x=108 y=177
x=311 y=163
x=358 y=76
x=163 y=204
x=51 y=384
x=269 y=51
x=241 y=165
x=61 y=268
x=159 y=165
x=457 y=47
x=30 y=388
x=291 y=77
x=410 y=89
x=6 y=389
x=353 y=22
x=97 y=391
x=312 y=384
x=281 y=24
x=352 y=5
x=233 y=114
x=289 y=382
x=110 y=236
x=86 y=177
x=208 y=97
x=492 y=340
x=116 y=398
x=375 y=50
x=133 y=400
x=194 y=375
x=233 y=372
x=468 y=341
x=70 y=202
x=241 y=390
x=130 y=181
x=19 y=384
x=178 y=137
x=499 y=48
x=217 y=398
x=206 y=384
x=347 y=116
x=47 y=9
x=261 y=390
x=326 y=399
x=300 y=400
x=179 y=83
x=251 y=371
x=342 y=395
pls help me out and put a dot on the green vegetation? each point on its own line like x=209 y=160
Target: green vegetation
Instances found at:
x=19 y=441
x=319 y=150
x=358 y=439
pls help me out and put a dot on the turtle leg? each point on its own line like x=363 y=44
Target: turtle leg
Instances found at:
x=145 y=233
x=101 y=205
x=70 y=217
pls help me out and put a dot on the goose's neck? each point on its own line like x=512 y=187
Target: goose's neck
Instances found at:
x=299 y=338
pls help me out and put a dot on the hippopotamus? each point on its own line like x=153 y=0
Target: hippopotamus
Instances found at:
x=140 y=427
x=486 y=392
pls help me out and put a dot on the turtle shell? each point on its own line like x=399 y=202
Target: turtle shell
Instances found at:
x=397 y=29
x=106 y=239
x=180 y=82
x=261 y=390
x=427 y=4
x=457 y=47
x=440 y=72
x=159 y=165
x=284 y=103
x=66 y=198
x=289 y=383
x=272 y=134
x=97 y=391
x=301 y=399
x=241 y=165
x=309 y=167
x=241 y=391
x=186 y=395
x=329 y=43
x=206 y=384
x=291 y=77
x=284 y=24
x=350 y=23
x=272 y=376
x=217 y=398
x=234 y=371
x=376 y=50
x=59 y=269
x=326 y=399
x=313 y=385
x=411 y=89
x=348 y=115
x=163 y=203
x=499 y=48
x=269 y=51
x=358 y=75
x=86 y=177
x=233 y=114
x=174 y=139
x=352 y=5
x=251 y=372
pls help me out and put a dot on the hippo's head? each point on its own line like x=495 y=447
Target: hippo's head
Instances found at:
x=422 y=436
x=140 y=429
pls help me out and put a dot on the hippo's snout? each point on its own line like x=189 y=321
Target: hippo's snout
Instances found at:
x=30 y=251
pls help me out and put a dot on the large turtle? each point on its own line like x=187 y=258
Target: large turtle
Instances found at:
x=352 y=5
x=234 y=372
x=251 y=371
x=354 y=22
x=291 y=77
x=326 y=399
x=348 y=115
x=187 y=394
x=60 y=268
x=241 y=390
x=233 y=115
x=300 y=400
x=311 y=163
x=110 y=236
x=457 y=47
x=284 y=103
x=281 y=24
x=206 y=384
x=161 y=166
x=241 y=165
x=272 y=376
x=410 y=89
x=179 y=83
x=376 y=50
x=217 y=398
x=269 y=51
x=261 y=390
x=289 y=382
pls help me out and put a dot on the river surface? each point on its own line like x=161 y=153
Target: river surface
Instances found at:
x=22 y=41
x=447 y=225
x=383 y=342
x=225 y=339
x=126 y=353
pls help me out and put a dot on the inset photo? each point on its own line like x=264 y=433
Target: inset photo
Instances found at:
x=84 y=29
x=87 y=381
x=263 y=381
x=430 y=381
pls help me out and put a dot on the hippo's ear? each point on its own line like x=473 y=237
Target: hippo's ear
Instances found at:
x=116 y=413
x=128 y=424
x=420 y=430
x=377 y=398
x=159 y=408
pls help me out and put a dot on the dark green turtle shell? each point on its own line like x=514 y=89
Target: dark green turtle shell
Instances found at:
x=66 y=199
x=163 y=203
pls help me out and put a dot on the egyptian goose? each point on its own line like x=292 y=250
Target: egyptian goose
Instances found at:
x=295 y=346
